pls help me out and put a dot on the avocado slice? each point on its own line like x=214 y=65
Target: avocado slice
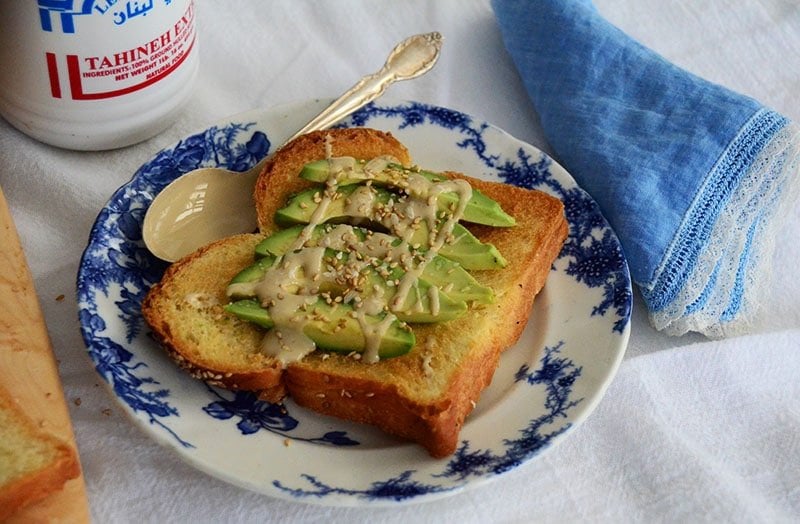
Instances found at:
x=255 y=271
x=480 y=209
x=465 y=249
x=340 y=332
x=441 y=271
x=422 y=304
x=301 y=206
x=251 y=311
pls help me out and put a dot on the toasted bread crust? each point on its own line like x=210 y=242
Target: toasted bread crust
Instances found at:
x=435 y=426
x=423 y=396
x=23 y=489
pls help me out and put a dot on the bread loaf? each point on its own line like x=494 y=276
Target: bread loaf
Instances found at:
x=33 y=464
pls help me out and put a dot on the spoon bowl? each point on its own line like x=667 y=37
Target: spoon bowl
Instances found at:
x=192 y=213
x=208 y=204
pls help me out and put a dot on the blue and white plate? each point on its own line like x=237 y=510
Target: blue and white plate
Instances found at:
x=545 y=386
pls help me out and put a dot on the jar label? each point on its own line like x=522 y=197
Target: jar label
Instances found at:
x=102 y=74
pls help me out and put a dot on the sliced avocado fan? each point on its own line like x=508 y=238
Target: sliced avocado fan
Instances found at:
x=377 y=247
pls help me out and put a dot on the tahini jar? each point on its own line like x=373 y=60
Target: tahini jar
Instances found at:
x=95 y=74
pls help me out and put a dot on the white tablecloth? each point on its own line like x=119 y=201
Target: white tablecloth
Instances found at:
x=690 y=429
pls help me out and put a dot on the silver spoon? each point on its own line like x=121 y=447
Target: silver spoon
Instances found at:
x=195 y=209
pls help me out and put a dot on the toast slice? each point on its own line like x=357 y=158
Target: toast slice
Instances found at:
x=424 y=395
x=33 y=463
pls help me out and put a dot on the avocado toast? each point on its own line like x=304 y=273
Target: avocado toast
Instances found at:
x=407 y=319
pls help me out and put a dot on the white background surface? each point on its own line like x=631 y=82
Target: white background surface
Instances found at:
x=690 y=430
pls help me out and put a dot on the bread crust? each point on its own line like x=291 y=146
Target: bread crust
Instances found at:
x=435 y=426
x=423 y=396
x=35 y=485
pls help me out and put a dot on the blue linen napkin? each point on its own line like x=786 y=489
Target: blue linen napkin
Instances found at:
x=693 y=177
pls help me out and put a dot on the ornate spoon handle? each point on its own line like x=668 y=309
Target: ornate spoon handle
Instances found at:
x=410 y=58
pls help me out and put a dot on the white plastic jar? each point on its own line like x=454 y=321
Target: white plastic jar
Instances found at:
x=95 y=74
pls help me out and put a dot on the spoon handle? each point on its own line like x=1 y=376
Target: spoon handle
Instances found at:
x=410 y=58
